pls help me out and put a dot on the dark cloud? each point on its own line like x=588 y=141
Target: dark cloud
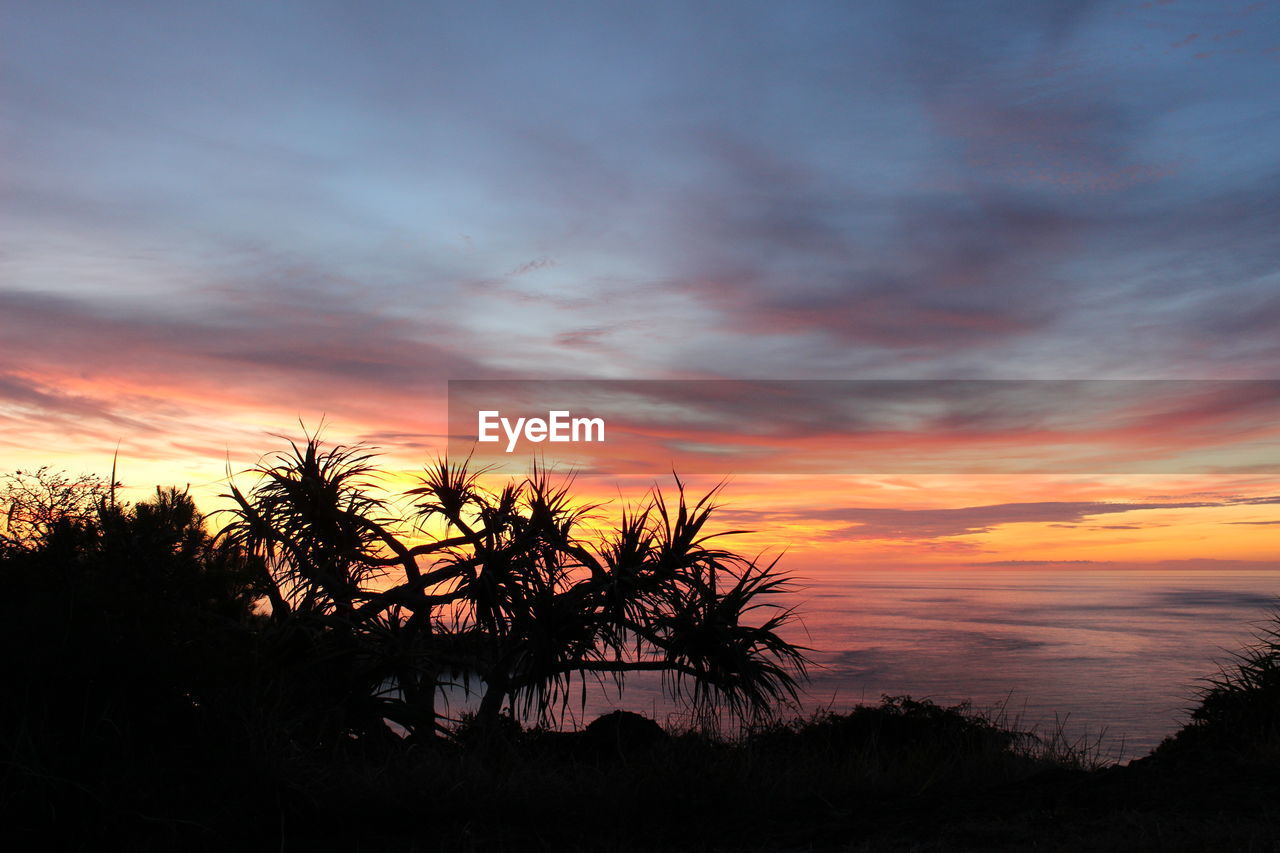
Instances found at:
x=51 y=402
x=785 y=254
x=919 y=426
x=885 y=523
x=164 y=378
x=249 y=337
x=1015 y=563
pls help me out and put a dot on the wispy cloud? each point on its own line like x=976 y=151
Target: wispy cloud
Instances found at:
x=857 y=523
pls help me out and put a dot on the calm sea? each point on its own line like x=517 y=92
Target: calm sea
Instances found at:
x=1118 y=651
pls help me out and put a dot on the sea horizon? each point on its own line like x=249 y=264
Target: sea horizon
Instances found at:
x=1112 y=656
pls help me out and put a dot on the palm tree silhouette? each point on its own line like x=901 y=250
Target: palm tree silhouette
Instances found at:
x=519 y=590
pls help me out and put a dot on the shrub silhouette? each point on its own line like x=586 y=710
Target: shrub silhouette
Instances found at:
x=624 y=733
x=1239 y=708
x=518 y=591
x=900 y=730
x=121 y=627
x=35 y=505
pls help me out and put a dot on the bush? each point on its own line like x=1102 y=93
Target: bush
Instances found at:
x=1239 y=708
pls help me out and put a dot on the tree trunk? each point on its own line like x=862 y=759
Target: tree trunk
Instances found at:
x=491 y=703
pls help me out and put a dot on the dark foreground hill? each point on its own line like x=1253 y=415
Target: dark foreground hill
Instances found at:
x=901 y=776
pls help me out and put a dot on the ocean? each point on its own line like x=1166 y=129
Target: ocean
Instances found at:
x=1111 y=653
x=1115 y=651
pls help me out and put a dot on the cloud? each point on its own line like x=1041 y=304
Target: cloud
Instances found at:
x=588 y=338
x=888 y=523
x=107 y=370
x=780 y=254
x=830 y=426
x=49 y=401
x=250 y=336
x=1015 y=563
x=532 y=266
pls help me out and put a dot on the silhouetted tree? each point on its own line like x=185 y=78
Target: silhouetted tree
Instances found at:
x=33 y=504
x=124 y=628
x=517 y=589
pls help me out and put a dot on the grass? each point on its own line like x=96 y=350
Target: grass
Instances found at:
x=624 y=786
x=902 y=775
x=1239 y=707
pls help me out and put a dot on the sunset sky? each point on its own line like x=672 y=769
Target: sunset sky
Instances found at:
x=220 y=219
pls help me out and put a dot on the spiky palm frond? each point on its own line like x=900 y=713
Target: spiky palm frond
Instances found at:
x=705 y=636
x=450 y=490
x=313 y=517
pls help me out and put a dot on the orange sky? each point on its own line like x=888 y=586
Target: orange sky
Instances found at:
x=172 y=430
x=825 y=522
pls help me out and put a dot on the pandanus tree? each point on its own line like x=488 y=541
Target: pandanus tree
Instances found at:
x=518 y=587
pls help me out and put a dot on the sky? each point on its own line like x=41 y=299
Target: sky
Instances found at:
x=222 y=221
